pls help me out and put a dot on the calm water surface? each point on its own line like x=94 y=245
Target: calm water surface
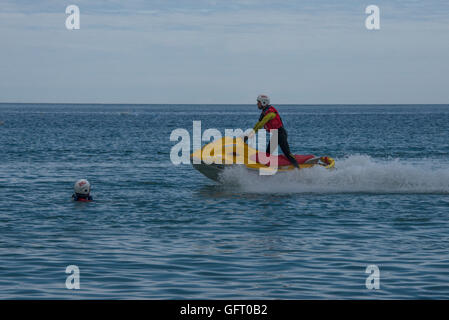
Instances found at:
x=160 y=231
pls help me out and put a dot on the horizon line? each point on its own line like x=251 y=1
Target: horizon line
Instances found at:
x=221 y=104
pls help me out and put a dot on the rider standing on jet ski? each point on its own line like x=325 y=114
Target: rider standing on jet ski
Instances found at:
x=269 y=120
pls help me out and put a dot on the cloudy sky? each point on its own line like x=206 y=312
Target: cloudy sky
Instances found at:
x=224 y=51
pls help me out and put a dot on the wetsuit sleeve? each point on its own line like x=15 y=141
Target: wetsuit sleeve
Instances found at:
x=261 y=123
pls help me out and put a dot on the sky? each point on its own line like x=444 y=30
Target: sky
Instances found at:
x=225 y=52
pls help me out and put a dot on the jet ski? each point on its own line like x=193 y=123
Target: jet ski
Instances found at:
x=213 y=158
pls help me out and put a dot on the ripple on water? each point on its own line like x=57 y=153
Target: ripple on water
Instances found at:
x=159 y=231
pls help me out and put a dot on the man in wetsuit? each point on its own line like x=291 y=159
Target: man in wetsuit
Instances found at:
x=269 y=120
x=82 y=191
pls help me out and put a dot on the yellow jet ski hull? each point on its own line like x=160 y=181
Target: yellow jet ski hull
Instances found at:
x=212 y=159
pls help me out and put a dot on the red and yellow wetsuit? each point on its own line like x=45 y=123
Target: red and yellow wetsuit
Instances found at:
x=269 y=120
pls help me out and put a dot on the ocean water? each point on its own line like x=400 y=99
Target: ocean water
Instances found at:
x=161 y=231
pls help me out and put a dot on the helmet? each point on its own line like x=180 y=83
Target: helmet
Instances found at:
x=264 y=100
x=82 y=187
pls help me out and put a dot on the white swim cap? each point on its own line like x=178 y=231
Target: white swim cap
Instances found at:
x=264 y=100
x=82 y=187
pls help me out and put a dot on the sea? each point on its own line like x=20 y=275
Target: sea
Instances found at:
x=375 y=227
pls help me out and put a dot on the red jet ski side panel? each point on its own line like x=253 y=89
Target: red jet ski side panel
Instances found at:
x=282 y=160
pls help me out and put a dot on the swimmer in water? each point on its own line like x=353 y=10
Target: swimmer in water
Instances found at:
x=82 y=191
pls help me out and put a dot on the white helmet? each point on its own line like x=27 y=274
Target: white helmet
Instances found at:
x=264 y=100
x=82 y=187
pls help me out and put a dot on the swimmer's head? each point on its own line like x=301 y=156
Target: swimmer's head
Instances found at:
x=82 y=187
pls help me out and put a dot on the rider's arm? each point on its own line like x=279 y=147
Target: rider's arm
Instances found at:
x=261 y=123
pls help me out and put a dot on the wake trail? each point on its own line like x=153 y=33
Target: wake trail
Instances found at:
x=353 y=174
